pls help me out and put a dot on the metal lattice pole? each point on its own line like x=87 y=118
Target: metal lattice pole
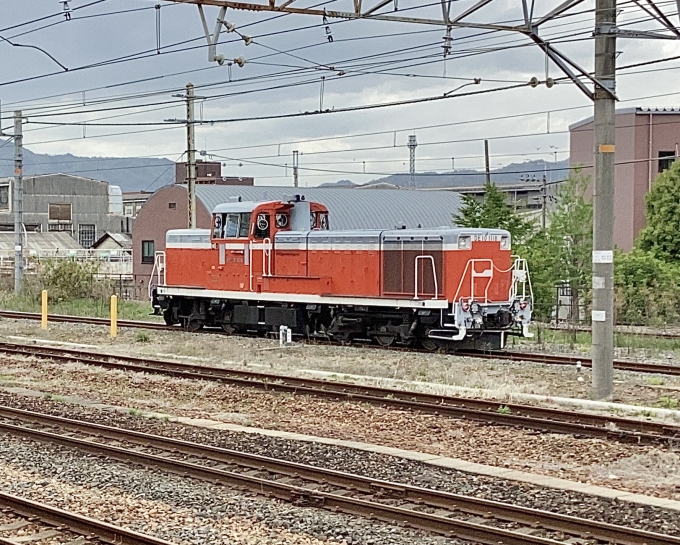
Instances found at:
x=412 y=159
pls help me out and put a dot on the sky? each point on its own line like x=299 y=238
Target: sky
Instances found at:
x=117 y=74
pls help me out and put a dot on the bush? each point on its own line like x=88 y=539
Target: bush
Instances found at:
x=68 y=279
x=646 y=291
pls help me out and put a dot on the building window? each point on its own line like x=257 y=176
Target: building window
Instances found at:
x=87 y=233
x=172 y=205
x=128 y=210
x=148 y=251
x=59 y=227
x=666 y=159
x=59 y=212
x=5 y=199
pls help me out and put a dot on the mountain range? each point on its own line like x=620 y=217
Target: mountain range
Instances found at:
x=147 y=174
x=135 y=174
x=511 y=173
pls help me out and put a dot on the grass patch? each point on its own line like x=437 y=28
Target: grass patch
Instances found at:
x=98 y=308
x=656 y=381
x=621 y=340
x=142 y=337
x=668 y=402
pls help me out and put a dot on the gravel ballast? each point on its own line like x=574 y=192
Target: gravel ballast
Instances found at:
x=182 y=510
x=377 y=466
x=630 y=468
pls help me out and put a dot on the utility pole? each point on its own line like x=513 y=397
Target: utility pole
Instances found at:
x=296 y=159
x=486 y=161
x=412 y=144
x=191 y=155
x=603 y=200
x=18 y=202
x=544 y=197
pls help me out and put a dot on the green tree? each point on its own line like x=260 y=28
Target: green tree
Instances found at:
x=660 y=236
x=493 y=213
x=563 y=251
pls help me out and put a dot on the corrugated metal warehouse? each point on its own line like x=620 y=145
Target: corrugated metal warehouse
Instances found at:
x=63 y=203
x=348 y=208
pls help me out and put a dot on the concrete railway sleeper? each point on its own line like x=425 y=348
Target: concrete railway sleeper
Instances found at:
x=474 y=519
x=38 y=522
x=521 y=416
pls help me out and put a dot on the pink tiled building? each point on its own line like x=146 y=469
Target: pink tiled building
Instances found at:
x=646 y=144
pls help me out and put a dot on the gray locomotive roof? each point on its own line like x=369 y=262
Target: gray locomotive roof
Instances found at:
x=352 y=209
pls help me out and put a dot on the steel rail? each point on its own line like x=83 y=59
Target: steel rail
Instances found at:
x=622 y=365
x=78 y=524
x=65 y=318
x=554 y=359
x=486 y=411
x=412 y=495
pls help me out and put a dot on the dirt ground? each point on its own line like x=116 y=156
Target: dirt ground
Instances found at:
x=429 y=371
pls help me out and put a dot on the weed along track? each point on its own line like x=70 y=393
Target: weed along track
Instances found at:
x=469 y=518
x=551 y=359
x=507 y=414
x=26 y=521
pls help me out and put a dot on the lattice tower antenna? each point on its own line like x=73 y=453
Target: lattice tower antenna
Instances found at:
x=412 y=144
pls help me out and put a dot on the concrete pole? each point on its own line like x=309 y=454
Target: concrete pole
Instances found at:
x=544 y=198
x=486 y=161
x=18 y=202
x=603 y=201
x=191 y=155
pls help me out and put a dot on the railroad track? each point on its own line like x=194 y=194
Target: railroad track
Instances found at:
x=64 y=318
x=486 y=411
x=639 y=367
x=483 y=521
x=621 y=365
x=24 y=521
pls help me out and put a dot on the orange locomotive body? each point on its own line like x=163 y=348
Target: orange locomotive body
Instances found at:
x=270 y=264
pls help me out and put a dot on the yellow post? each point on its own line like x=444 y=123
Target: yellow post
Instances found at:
x=44 y=309
x=114 y=316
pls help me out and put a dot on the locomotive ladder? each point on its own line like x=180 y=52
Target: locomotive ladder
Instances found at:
x=158 y=270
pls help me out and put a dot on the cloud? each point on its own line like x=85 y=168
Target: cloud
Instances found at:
x=498 y=58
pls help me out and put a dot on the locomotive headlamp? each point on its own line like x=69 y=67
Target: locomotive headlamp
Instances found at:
x=475 y=308
x=505 y=243
x=464 y=243
x=522 y=305
x=465 y=306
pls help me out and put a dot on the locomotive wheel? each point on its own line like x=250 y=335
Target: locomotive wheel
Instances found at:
x=385 y=339
x=167 y=317
x=429 y=344
x=192 y=326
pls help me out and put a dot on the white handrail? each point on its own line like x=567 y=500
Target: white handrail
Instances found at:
x=434 y=275
x=267 y=250
x=473 y=275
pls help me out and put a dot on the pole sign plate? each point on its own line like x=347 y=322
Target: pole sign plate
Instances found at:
x=603 y=256
x=599 y=316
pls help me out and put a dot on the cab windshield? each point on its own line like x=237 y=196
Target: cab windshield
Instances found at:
x=231 y=225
